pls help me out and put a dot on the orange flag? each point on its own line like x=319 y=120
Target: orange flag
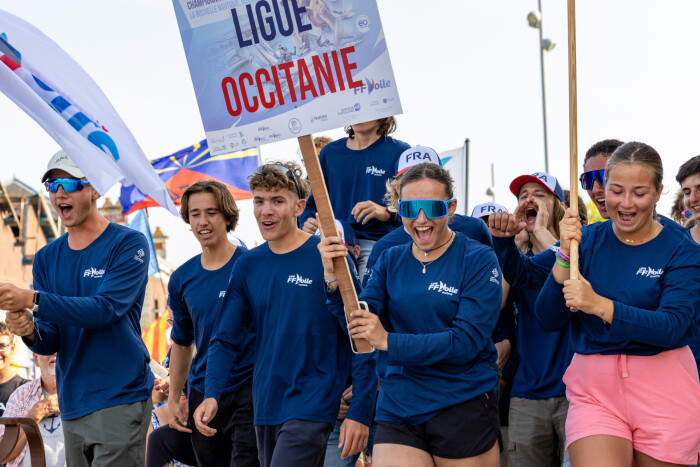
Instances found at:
x=157 y=338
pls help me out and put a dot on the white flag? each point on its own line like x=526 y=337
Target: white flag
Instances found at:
x=454 y=160
x=52 y=88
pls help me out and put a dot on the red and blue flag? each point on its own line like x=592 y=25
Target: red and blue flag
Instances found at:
x=184 y=168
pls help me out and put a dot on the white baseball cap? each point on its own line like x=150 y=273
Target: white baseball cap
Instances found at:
x=416 y=155
x=62 y=161
x=486 y=209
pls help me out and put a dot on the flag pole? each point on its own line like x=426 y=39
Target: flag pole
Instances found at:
x=466 y=176
x=160 y=276
x=327 y=221
x=573 y=135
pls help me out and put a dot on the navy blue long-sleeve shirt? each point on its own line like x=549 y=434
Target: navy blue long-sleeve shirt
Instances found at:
x=89 y=312
x=440 y=351
x=195 y=295
x=654 y=287
x=302 y=350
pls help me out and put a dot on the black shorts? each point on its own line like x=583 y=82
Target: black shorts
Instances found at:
x=464 y=430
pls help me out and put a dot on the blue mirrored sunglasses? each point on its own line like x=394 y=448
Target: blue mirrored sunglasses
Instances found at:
x=433 y=208
x=587 y=179
x=69 y=184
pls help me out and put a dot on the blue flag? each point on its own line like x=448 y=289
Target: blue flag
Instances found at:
x=140 y=222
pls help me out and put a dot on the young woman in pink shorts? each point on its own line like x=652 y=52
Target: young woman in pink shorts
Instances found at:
x=633 y=384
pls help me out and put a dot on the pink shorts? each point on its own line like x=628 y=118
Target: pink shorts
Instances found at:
x=652 y=401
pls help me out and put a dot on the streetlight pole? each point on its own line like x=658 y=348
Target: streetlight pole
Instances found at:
x=534 y=19
x=544 y=100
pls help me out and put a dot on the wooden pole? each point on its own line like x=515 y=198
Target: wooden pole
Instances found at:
x=327 y=221
x=573 y=135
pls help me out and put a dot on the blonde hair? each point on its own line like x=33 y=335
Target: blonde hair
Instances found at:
x=391 y=197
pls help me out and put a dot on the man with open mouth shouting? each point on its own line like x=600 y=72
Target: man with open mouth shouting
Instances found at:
x=89 y=289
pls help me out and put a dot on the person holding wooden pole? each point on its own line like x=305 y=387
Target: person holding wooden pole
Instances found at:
x=433 y=304
x=631 y=314
x=302 y=355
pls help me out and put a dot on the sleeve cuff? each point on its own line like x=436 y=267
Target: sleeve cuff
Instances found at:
x=392 y=341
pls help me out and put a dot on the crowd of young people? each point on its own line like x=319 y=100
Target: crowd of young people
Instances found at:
x=467 y=315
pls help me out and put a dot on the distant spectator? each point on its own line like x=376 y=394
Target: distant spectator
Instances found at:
x=321 y=141
x=9 y=380
x=582 y=209
x=38 y=400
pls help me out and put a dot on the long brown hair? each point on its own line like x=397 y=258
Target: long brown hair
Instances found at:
x=224 y=198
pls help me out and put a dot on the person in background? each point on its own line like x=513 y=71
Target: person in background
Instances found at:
x=538 y=404
x=91 y=318
x=355 y=170
x=38 y=400
x=9 y=380
x=593 y=176
x=320 y=142
x=679 y=213
x=689 y=179
x=195 y=293
x=166 y=445
x=582 y=210
x=504 y=337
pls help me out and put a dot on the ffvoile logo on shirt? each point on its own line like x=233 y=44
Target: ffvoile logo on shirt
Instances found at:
x=296 y=279
x=139 y=255
x=649 y=272
x=443 y=288
x=94 y=273
x=372 y=170
x=494 y=277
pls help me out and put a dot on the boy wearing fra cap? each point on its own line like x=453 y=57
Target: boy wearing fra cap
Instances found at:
x=90 y=285
x=538 y=404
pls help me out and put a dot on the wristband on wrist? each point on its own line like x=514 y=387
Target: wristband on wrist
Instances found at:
x=563 y=256
x=563 y=264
